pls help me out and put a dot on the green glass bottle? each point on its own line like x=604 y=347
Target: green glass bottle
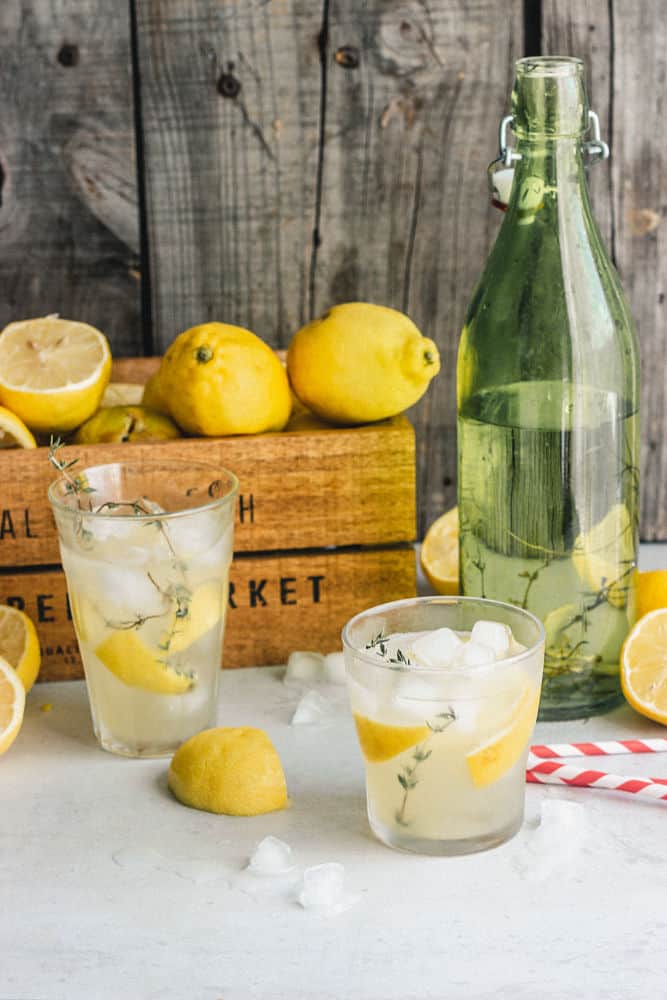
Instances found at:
x=548 y=386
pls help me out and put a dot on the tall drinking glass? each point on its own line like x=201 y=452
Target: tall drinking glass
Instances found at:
x=445 y=746
x=146 y=550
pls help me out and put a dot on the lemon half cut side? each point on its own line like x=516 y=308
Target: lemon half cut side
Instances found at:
x=12 y=705
x=53 y=372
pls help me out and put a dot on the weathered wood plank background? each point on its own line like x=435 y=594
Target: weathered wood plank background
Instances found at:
x=164 y=162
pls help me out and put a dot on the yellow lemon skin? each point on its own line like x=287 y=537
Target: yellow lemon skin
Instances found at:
x=380 y=742
x=491 y=761
x=13 y=432
x=360 y=362
x=235 y=771
x=133 y=663
x=153 y=396
x=126 y=423
x=221 y=379
x=651 y=591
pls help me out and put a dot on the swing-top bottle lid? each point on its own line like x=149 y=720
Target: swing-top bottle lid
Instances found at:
x=549 y=97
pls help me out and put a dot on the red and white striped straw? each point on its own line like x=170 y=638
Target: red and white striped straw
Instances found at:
x=551 y=772
x=599 y=748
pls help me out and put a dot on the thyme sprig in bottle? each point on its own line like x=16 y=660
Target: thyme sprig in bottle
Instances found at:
x=548 y=385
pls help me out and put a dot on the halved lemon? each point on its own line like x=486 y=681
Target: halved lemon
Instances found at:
x=644 y=666
x=380 y=742
x=440 y=553
x=53 y=372
x=133 y=663
x=12 y=705
x=13 y=432
x=19 y=644
x=490 y=761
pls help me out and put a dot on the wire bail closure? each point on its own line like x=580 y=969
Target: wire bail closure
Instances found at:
x=501 y=170
x=596 y=148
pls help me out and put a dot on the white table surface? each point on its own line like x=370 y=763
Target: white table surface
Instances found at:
x=111 y=889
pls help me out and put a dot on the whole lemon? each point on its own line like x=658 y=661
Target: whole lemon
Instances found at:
x=153 y=395
x=126 y=423
x=232 y=771
x=360 y=362
x=222 y=379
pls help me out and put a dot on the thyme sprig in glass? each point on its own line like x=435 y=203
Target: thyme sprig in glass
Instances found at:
x=178 y=597
x=74 y=484
x=407 y=777
x=379 y=645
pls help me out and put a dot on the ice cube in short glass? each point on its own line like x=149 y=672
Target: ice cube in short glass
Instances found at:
x=493 y=635
x=474 y=654
x=437 y=648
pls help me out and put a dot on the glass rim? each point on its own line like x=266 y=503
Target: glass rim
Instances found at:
x=543 y=66
x=444 y=599
x=218 y=470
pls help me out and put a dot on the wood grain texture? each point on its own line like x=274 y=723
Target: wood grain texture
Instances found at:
x=583 y=28
x=299 y=154
x=405 y=218
x=627 y=65
x=298 y=489
x=68 y=213
x=229 y=98
x=277 y=604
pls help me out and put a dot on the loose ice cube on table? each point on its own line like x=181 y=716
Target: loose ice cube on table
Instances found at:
x=437 y=648
x=324 y=890
x=494 y=635
x=474 y=654
x=560 y=817
x=334 y=668
x=304 y=666
x=312 y=709
x=559 y=841
x=271 y=857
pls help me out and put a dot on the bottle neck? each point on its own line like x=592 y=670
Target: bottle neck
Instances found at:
x=550 y=174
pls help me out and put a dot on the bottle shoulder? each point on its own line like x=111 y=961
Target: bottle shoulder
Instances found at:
x=549 y=305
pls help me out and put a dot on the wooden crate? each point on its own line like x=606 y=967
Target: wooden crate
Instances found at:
x=324 y=526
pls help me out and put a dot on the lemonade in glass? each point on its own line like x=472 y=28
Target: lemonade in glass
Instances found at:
x=146 y=550
x=444 y=693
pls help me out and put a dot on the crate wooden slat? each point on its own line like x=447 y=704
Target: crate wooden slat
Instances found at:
x=298 y=489
x=278 y=603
